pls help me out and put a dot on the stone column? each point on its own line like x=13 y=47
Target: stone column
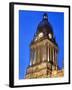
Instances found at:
x=34 y=61
x=56 y=57
x=31 y=57
x=44 y=53
x=36 y=54
x=53 y=55
x=48 y=53
x=40 y=54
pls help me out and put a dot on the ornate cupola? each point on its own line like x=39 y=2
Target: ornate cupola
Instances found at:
x=43 y=51
x=44 y=30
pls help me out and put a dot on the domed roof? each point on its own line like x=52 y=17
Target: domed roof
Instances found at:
x=44 y=25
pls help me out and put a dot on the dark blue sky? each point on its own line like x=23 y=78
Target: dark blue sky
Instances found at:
x=28 y=22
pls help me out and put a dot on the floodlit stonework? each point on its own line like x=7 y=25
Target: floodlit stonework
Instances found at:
x=44 y=53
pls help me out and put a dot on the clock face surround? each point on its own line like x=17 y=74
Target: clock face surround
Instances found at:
x=40 y=34
x=50 y=35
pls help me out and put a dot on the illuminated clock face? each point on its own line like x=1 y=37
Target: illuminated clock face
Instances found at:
x=40 y=35
x=50 y=35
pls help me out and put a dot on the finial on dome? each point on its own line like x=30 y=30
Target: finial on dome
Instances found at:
x=45 y=16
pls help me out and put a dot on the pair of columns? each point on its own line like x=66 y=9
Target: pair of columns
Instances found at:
x=42 y=53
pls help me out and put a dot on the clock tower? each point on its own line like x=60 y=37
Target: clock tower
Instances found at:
x=43 y=52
